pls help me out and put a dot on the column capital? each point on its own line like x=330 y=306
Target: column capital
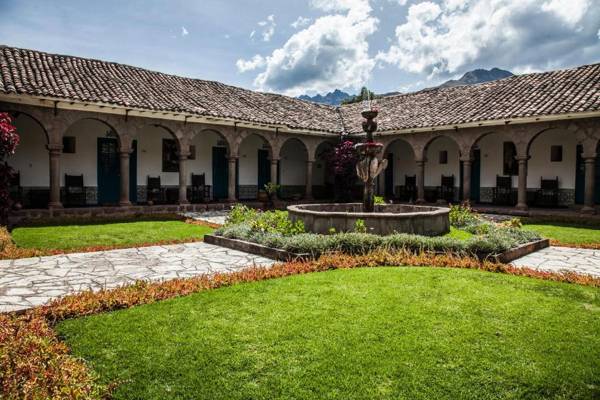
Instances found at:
x=522 y=158
x=54 y=147
x=466 y=159
x=183 y=156
x=588 y=157
x=232 y=158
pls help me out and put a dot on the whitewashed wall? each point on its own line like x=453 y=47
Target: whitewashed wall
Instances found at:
x=204 y=143
x=540 y=165
x=248 y=161
x=433 y=168
x=404 y=161
x=31 y=157
x=293 y=163
x=150 y=157
x=491 y=148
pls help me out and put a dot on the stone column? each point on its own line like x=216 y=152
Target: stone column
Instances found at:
x=420 y=182
x=54 y=152
x=124 y=155
x=231 y=187
x=183 y=157
x=309 y=169
x=274 y=166
x=590 y=178
x=522 y=191
x=466 y=179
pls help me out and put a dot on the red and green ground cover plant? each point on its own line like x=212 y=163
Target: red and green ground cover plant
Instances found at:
x=35 y=364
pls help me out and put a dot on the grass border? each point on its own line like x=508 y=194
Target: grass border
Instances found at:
x=34 y=363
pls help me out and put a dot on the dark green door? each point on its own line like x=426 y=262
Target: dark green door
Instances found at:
x=133 y=173
x=264 y=169
x=220 y=172
x=476 y=176
x=389 y=176
x=108 y=171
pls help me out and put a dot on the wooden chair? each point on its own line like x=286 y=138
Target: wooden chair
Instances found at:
x=547 y=194
x=75 y=194
x=408 y=192
x=446 y=190
x=503 y=193
x=155 y=193
x=199 y=191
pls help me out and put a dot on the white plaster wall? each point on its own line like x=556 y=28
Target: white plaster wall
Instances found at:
x=204 y=142
x=491 y=148
x=539 y=164
x=85 y=159
x=293 y=163
x=404 y=161
x=433 y=168
x=150 y=157
x=248 y=161
x=31 y=156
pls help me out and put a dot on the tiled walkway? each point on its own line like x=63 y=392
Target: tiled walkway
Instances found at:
x=559 y=259
x=29 y=282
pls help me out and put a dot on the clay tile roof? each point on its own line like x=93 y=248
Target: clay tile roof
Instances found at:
x=539 y=94
x=74 y=78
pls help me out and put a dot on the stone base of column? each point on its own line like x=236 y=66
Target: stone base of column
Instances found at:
x=55 y=205
x=183 y=202
x=420 y=201
x=588 y=210
x=522 y=207
x=124 y=203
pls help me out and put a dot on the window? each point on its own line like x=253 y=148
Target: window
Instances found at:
x=170 y=162
x=443 y=157
x=192 y=155
x=556 y=153
x=510 y=166
x=69 y=144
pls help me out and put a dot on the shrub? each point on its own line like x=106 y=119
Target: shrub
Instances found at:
x=240 y=213
x=359 y=226
x=9 y=140
x=462 y=215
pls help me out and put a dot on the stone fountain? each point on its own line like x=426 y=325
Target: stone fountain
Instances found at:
x=381 y=219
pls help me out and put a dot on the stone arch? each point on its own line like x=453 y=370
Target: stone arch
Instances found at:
x=210 y=150
x=16 y=114
x=401 y=164
x=254 y=155
x=293 y=158
x=442 y=155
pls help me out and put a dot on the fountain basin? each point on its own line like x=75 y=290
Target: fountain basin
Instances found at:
x=385 y=220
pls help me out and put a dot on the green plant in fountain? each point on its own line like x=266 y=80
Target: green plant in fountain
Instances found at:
x=359 y=226
x=378 y=200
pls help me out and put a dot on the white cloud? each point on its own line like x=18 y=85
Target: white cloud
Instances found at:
x=184 y=32
x=300 y=22
x=252 y=34
x=445 y=38
x=249 y=65
x=268 y=26
x=331 y=53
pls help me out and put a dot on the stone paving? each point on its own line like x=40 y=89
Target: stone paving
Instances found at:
x=29 y=282
x=214 y=217
x=559 y=259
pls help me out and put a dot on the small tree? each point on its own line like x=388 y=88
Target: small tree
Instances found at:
x=9 y=139
x=342 y=161
x=365 y=94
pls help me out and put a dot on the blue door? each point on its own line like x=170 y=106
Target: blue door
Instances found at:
x=108 y=171
x=133 y=173
x=220 y=172
x=264 y=169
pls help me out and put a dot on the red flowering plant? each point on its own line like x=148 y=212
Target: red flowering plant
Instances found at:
x=342 y=161
x=9 y=139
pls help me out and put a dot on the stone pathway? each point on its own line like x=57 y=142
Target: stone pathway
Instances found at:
x=214 y=217
x=29 y=282
x=558 y=259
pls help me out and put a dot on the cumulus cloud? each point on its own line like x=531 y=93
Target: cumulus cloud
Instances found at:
x=184 y=32
x=455 y=35
x=330 y=53
x=268 y=27
x=249 y=65
x=300 y=22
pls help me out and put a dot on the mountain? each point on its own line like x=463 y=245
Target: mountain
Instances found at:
x=478 y=76
x=334 y=98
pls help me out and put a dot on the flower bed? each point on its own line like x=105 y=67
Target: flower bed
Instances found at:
x=274 y=229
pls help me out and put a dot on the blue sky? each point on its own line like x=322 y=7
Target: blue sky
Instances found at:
x=310 y=46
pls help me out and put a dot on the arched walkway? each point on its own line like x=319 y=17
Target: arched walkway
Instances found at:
x=322 y=177
x=292 y=169
x=209 y=152
x=254 y=166
x=494 y=170
x=399 y=177
x=442 y=163
x=30 y=162
x=553 y=157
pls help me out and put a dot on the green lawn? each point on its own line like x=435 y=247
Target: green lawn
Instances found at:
x=567 y=233
x=71 y=237
x=382 y=333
